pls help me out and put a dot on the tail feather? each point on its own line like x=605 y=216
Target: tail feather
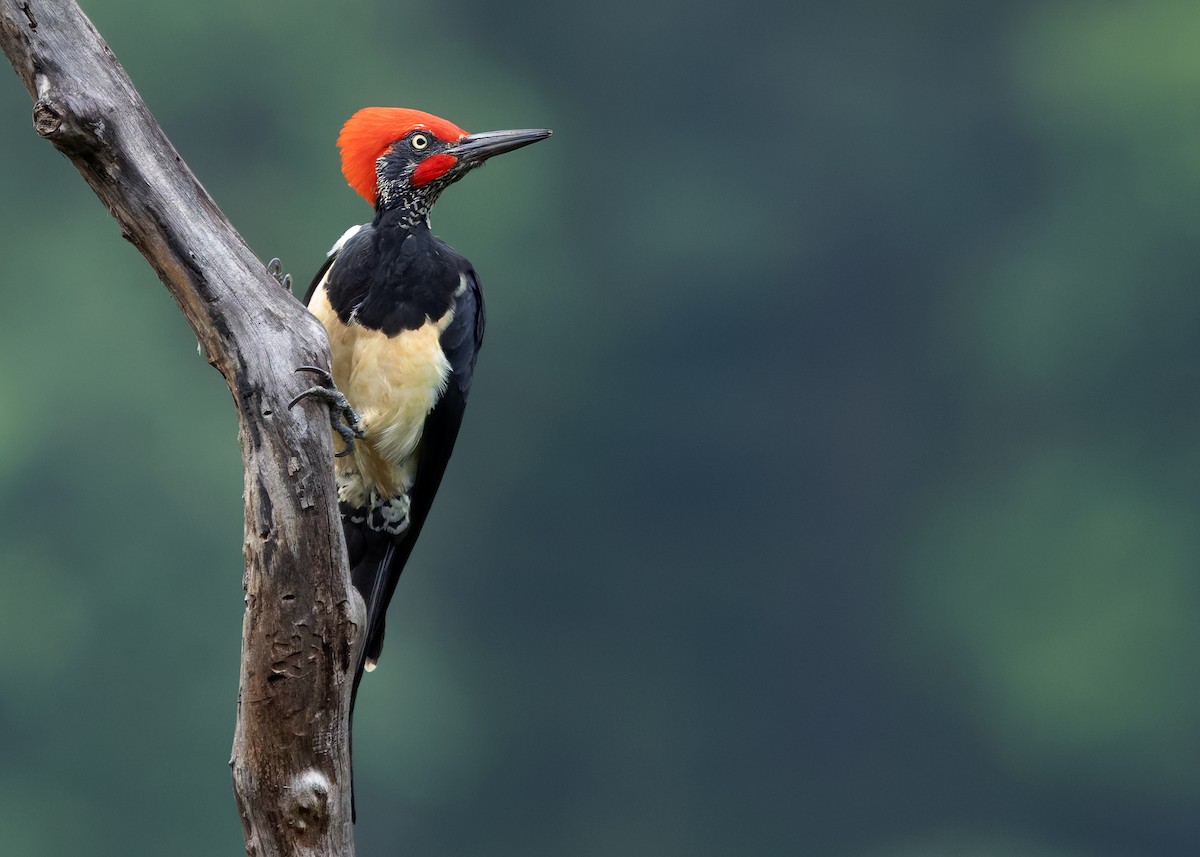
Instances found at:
x=372 y=558
x=376 y=561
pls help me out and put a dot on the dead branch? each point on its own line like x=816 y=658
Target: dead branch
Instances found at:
x=291 y=764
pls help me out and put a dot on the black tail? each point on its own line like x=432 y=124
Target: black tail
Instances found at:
x=377 y=558
x=372 y=560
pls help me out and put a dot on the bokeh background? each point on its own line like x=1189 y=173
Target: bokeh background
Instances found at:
x=831 y=481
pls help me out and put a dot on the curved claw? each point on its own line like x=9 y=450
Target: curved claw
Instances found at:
x=325 y=379
x=342 y=416
x=275 y=269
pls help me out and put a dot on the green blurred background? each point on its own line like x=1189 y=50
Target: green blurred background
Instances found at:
x=830 y=482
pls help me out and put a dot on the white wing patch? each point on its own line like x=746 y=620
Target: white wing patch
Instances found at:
x=346 y=236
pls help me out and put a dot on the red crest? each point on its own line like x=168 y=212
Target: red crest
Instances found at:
x=368 y=133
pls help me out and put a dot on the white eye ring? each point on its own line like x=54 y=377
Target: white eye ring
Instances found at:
x=420 y=141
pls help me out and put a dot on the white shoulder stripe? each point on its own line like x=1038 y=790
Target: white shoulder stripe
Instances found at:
x=346 y=236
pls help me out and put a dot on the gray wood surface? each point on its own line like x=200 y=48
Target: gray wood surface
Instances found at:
x=291 y=763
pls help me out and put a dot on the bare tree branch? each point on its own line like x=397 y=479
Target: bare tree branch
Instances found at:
x=291 y=763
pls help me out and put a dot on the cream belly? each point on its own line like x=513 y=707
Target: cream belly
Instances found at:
x=393 y=382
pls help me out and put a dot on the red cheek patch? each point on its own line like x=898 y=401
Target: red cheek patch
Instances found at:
x=433 y=167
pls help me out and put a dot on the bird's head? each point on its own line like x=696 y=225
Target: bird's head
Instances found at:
x=400 y=158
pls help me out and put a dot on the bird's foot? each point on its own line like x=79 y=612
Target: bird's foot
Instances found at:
x=275 y=269
x=342 y=417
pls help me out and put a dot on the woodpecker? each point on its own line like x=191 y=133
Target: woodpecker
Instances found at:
x=404 y=314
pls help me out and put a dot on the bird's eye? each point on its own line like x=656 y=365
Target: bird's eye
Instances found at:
x=419 y=141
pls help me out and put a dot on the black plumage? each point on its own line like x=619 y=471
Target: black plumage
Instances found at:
x=394 y=277
x=405 y=318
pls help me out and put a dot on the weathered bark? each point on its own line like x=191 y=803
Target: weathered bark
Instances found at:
x=291 y=764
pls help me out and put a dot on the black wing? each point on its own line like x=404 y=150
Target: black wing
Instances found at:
x=312 y=287
x=376 y=558
x=378 y=570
